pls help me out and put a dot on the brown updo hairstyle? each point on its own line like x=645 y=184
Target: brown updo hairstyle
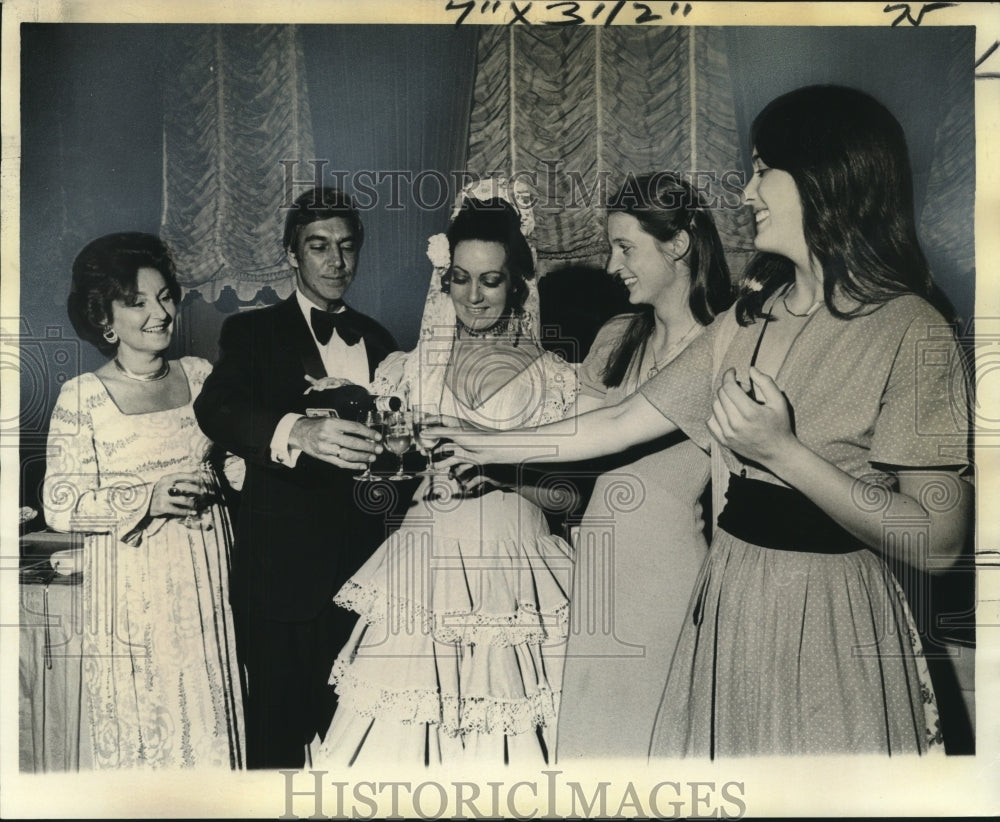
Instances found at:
x=105 y=271
x=495 y=221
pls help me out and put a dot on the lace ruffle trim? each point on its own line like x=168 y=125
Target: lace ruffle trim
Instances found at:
x=455 y=715
x=525 y=626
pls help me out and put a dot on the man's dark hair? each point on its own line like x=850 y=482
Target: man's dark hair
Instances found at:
x=321 y=204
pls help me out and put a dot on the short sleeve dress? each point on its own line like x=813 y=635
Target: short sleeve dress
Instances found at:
x=641 y=544
x=797 y=651
x=161 y=673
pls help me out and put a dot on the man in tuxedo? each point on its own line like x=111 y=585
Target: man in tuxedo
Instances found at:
x=299 y=533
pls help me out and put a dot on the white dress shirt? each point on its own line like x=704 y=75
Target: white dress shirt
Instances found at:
x=339 y=360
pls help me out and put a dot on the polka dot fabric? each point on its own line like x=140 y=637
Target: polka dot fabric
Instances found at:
x=795 y=652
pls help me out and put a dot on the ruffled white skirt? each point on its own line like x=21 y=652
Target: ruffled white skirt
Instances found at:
x=458 y=652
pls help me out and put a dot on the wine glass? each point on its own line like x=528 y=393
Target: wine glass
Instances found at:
x=422 y=419
x=398 y=439
x=372 y=419
x=200 y=516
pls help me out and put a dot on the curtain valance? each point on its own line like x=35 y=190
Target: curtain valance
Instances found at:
x=236 y=112
x=575 y=110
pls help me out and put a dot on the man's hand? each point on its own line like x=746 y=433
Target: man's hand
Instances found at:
x=343 y=443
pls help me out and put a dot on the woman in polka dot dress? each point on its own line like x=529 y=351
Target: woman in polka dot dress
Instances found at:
x=833 y=395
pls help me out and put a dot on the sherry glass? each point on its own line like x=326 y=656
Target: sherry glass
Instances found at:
x=372 y=419
x=422 y=419
x=398 y=439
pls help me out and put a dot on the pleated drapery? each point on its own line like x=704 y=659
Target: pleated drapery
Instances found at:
x=575 y=110
x=236 y=112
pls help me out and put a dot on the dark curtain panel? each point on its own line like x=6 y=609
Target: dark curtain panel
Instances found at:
x=925 y=77
x=392 y=101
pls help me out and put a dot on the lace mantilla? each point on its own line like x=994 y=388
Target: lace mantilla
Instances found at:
x=420 y=373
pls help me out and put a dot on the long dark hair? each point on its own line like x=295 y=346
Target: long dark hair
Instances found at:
x=664 y=205
x=848 y=157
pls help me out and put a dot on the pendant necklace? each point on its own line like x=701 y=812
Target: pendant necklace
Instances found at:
x=668 y=354
x=810 y=310
x=152 y=376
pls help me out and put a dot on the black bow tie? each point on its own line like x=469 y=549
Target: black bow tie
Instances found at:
x=324 y=322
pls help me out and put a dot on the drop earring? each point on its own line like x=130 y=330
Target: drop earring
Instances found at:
x=110 y=335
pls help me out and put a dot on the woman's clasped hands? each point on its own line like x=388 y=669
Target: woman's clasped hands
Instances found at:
x=757 y=429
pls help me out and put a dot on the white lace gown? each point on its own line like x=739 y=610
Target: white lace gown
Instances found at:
x=160 y=661
x=458 y=654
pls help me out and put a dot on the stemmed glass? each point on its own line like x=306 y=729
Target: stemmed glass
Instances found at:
x=200 y=517
x=422 y=419
x=372 y=419
x=398 y=439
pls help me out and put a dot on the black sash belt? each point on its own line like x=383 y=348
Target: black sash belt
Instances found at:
x=773 y=516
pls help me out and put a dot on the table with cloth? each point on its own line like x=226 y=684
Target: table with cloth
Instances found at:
x=52 y=699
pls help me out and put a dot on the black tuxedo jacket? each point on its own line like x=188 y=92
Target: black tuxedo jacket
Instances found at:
x=300 y=532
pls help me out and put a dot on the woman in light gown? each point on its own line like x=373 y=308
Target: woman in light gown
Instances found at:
x=127 y=465
x=835 y=397
x=641 y=540
x=457 y=654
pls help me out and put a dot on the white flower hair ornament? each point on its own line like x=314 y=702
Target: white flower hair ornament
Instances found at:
x=438 y=251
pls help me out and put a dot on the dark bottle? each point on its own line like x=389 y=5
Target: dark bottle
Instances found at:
x=393 y=403
x=348 y=401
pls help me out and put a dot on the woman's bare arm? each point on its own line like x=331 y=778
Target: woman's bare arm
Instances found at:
x=596 y=433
